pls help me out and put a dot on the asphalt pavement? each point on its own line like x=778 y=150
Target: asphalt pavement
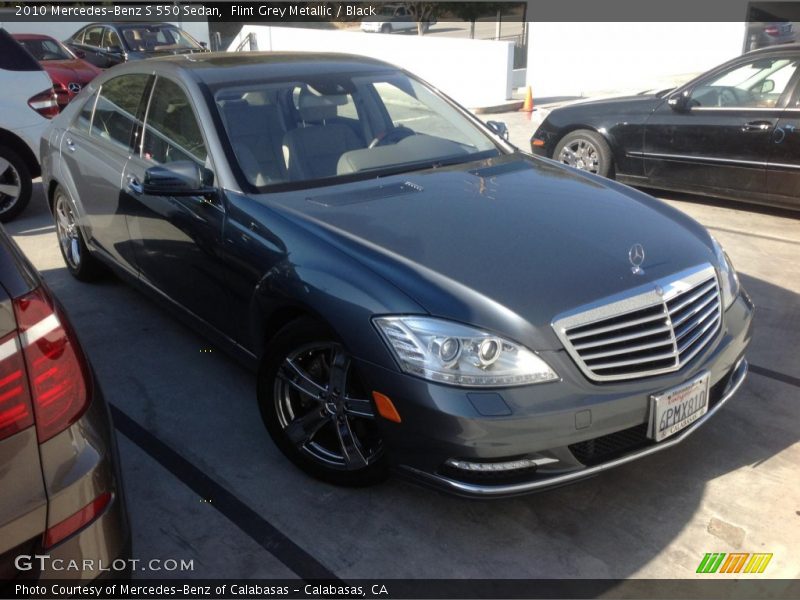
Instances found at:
x=205 y=483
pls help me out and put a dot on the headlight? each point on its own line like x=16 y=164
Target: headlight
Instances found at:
x=452 y=353
x=728 y=278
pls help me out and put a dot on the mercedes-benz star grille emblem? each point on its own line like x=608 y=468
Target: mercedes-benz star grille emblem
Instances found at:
x=636 y=256
x=74 y=87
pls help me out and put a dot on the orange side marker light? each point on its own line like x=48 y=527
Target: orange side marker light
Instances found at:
x=385 y=407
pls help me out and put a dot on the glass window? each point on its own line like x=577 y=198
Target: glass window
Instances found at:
x=316 y=128
x=148 y=38
x=757 y=84
x=45 y=49
x=115 y=114
x=83 y=121
x=172 y=132
x=111 y=39
x=93 y=36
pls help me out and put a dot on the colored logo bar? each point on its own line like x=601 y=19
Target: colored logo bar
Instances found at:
x=734 y=562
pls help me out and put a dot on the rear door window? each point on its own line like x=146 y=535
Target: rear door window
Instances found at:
x=117 y=109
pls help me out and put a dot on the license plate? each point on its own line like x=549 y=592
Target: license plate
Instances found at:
x=677 y=408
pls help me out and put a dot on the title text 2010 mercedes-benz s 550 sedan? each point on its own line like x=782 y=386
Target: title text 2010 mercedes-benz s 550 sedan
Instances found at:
x=414 y=292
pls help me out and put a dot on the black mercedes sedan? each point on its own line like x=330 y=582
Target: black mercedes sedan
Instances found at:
x=732 y=133
x=412 y=291
x=107 y=44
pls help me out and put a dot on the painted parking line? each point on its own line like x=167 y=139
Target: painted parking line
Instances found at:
x=245 y=518
x=776 y=375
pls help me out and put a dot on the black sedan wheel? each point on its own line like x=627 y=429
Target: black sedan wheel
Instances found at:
x=585 y=150
x=15 y=184
x=80 y=263
x=315 y=408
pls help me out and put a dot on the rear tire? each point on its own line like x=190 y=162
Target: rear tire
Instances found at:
x=315 y=408
x=79 y=260
x=386 y=28
x=586 y=150
x=16 y=184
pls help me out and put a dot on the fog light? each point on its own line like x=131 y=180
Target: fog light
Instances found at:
x=509 y=465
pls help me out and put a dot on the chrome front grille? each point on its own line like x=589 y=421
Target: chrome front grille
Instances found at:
x=654 y=329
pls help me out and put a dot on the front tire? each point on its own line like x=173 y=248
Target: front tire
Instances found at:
x=16 y=184
x=587 y=151
x=386 y=28
x=315 y=408
x=79 y=261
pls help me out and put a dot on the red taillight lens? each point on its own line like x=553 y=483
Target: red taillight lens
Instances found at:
x=45 y=103
x=15 y=404
x=771 y=30
x=56 y=372
x=73 y=523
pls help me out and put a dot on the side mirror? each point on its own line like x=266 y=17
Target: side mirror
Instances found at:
x=78 y=53
x=681 y=101
x=203 y=44
x=767 y=86
x=180 y=178
x=499 y=128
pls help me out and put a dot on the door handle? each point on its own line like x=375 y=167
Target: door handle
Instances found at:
x=756 y=126
x=70 y=144
x=134 y=185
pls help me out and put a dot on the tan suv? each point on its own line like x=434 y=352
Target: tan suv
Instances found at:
x=61 y=499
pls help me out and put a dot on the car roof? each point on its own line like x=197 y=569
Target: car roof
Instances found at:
x=215 y=68
x=30 y=36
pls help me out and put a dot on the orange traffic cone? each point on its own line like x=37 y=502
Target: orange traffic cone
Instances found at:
x=527 y=106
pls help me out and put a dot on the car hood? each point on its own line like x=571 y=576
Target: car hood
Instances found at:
x=505 y=244
x=618 y=105
x=66 y=71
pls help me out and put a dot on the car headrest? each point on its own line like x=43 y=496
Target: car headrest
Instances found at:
x=315 y=108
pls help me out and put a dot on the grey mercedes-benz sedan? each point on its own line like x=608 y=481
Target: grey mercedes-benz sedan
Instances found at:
x=413 y=291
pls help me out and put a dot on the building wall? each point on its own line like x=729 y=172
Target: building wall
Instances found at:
x=574 y=59
x=476 y=73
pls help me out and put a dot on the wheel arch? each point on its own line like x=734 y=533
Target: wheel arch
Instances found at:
x=18 y=145
x=609 y=139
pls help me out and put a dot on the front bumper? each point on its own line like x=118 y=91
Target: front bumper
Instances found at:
x=577 y=427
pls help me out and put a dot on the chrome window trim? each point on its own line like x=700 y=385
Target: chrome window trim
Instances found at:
x=642 y=297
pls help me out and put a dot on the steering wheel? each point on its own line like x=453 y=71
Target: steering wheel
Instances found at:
x=727 y=97
x=390 y=136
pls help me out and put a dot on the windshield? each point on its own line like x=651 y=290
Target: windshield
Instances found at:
x=152 y=38
x=336 y=125
x=45 y=49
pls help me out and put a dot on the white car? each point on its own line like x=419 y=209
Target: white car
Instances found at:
x=390 y=18
x=27 y=104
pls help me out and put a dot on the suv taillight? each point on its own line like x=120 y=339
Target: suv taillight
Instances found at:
x=45 y=103
x=56 y=368
x=15 y=401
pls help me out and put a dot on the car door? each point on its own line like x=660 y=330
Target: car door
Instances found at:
x=95 y=148
x=783 y=168
x=111 y=50
x=178 y=240
x=716 y=135
x=89 y=44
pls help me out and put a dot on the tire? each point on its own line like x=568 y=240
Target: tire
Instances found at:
x=586 y=150
x=331 y=436
x=79 y=260
x=386 y=28
x=16 y=184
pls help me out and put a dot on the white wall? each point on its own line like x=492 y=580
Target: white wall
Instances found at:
x=474 y=72
x=573 y=59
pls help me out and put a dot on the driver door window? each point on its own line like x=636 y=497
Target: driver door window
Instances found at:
x=111 y=39
x=172 y=132
x=758 y=84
